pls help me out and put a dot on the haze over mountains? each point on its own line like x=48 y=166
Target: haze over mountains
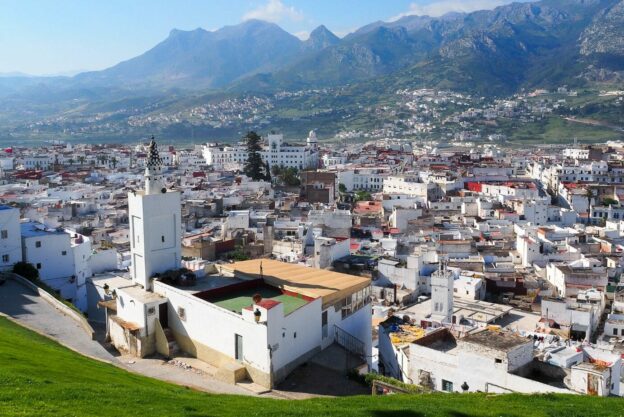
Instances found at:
x=492 y=53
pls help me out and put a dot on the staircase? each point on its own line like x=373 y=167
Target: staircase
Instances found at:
x=173 y=345
x=349 y=342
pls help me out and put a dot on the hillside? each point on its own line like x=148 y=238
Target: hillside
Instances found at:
x=40 y=378
x=512 y=49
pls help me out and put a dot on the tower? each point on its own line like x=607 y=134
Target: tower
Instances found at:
x=155 y=224
x=311 y=141
x=442 y=283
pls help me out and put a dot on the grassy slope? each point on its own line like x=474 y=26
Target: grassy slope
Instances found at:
x=38 y=377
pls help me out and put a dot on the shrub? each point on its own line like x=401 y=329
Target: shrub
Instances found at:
x=412 y=389
x=27 y=270
x=182 y=277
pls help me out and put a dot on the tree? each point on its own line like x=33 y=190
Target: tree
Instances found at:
x=81 y=159
x=114 y=162
x=71 y=161
x=267 y=172
x=27 y=270
x=363 y=196
x=290 y=176
x=254 y=167
x=342 y=188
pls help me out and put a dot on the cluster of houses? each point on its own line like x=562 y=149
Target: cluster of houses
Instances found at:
x=456 y=269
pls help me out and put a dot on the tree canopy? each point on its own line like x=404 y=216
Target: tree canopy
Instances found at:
x=254 y=167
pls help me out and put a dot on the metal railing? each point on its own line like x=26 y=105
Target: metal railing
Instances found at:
x=349 y=342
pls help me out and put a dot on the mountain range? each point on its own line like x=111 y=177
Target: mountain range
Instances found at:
x=491 y=52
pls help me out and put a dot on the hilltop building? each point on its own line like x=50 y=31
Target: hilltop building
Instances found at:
x=275 y=152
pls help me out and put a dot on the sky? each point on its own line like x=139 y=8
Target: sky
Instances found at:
x=46 y=37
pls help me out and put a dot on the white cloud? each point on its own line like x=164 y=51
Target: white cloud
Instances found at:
x=441 y=7
x=274 y=11
x=303 y=35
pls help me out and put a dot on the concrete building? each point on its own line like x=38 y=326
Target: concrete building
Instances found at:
x=486 y=361
x=442 y=283
x=10 y=242
x=269 y=318
x=275 y=153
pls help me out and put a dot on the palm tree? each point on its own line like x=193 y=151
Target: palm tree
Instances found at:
x=81 y=159
x=71 y=161
x=114 y=162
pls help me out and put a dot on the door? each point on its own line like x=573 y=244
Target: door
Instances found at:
x=324 y=324
x=592 y=384
x=238 y=347
x=163 y=315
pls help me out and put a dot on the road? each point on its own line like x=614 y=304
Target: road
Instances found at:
x=33 y=311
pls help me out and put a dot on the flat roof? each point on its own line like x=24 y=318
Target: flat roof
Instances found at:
x=33 y=229
x=312 y=282
x=496 y=340
x=240 y=298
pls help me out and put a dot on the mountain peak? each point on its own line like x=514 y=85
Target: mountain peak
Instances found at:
x=321 y=38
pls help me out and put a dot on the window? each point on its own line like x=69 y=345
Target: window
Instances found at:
x=182 y=313
x=238 y=347
x=64 y=253
x=39 y=266
x=498 y=360
x=4 y=234
x=447 y=386
x=38 y=244
x=162 y=238
x=614 y=330
x=5 y=258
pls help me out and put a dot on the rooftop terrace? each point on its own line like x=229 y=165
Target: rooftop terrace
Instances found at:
x=237 y=297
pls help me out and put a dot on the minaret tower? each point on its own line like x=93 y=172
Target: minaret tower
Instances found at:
x=155 y=224
x=442 y=284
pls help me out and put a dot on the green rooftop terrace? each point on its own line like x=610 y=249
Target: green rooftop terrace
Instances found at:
x=238 y=298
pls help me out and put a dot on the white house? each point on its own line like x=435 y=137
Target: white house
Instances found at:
x=61 y=257
x=10 y=244
x=486 y=361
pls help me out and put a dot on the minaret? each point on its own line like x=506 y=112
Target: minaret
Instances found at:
x=155 y=224
x=442 y=284
x=312 y=141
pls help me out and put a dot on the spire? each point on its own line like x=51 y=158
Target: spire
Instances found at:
x=153 y=158
x=153 y=170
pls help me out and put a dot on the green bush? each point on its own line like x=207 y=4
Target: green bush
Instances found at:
x=27 y=270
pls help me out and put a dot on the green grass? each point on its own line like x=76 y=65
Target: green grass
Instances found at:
x=40 y=378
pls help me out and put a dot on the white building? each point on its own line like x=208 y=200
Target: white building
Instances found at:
x=275 y=153
x=61 y=257
x=363 y=179
x=155 y=224
x=10 y=244
x=486 y=361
